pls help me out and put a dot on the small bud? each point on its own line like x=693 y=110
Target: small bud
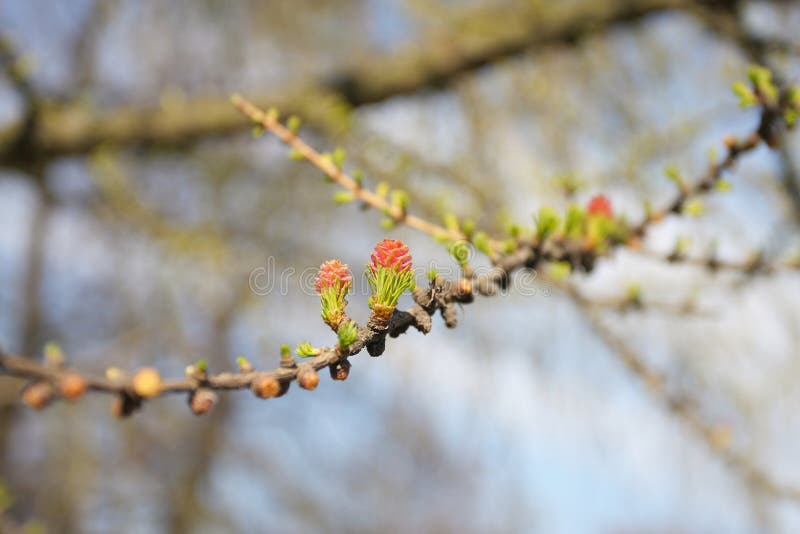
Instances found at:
x=729 y=141
x=432 y=274
x=38 y=395
x=790 y=117
x=761 y=78
x=338 y=157
x=451 y=222
x=673 y=174
x=308 y=378
x=293 y=124
x=694 y=207
x=115 y=374
x=400 y=200
x=53 y=355
x=124 y=405
x=340 y=370
x=481 y=242
x=682 y=245
x=460 y=252
x=793 y=97
x=284 y=387
x=377 y=347
x=568 y=183
x=723 y=186
x=347 y=334
x=720 y=436
x=343 y=197
x=464 y=287
x=468 y=227
x=559 y=270
x=147 y=382
x=746 y=96
x=243 y=364
x=634 y=295
x=296 y=155
x=574 y=221
x=197 y=371
x=72 y=385
x=266 y=386
x=202 y=401
x=305 y=349
x=287 y=361
x=634 y=243
x=547 y=222
x=117 y=406
x=382 y=189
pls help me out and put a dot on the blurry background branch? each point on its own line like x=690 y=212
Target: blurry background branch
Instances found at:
x=679 y=402
x=471 y=40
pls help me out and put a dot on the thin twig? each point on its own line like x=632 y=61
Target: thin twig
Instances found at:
x=271 y=123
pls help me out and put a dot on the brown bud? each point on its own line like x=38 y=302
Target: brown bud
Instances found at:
x=634 y=243
x=202 y=401
x=147 y=382
x=773 y=140
x=284 y=388
x=38 y=395
x=379 y=318
x=72 y=385
x=124 y=405
x=729 y=141
x=117 y=406
x=375 y=348
x=266 y=386
x=464 y=289
x=308 y=378
x=720 y=436
x=340 y=370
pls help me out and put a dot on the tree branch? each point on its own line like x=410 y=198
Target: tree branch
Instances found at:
x=441 y=295
x=480 y=37
x=716 y=437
